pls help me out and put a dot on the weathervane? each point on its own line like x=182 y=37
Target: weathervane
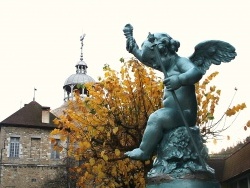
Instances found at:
x=34 y=96
x=81 y=39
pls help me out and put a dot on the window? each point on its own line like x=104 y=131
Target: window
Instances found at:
x=35 y=148
x=14 y=146
x=55 y=154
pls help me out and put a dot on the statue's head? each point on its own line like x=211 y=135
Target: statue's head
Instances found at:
x=165 y=44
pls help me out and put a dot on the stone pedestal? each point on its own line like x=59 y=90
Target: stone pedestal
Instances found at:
x=185 y=183
x=177 y=164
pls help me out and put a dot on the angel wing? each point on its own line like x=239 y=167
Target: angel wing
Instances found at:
x=212 y=52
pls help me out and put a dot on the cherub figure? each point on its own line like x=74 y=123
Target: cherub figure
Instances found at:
x=159 y=52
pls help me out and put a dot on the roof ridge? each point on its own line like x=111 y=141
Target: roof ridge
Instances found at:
x=30 y=114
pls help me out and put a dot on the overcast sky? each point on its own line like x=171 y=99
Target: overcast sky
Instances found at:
x=40 y=44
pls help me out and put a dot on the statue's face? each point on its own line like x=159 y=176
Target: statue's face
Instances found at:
x=161 y=40
x=148 y=54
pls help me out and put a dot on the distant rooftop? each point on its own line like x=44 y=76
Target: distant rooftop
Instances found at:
x=30 y=116
x=227 y=168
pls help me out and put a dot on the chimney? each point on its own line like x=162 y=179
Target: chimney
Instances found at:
x=45 y=114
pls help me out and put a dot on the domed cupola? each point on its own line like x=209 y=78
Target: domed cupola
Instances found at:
x=76 y=81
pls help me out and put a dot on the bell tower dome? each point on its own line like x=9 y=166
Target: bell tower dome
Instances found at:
x=76 y=81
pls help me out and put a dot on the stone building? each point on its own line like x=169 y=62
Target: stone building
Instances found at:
x=28 y=158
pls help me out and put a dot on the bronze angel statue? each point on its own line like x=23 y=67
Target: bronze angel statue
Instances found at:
x=159 y=51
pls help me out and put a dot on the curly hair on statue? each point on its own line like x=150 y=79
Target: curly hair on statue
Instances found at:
x=165 y=42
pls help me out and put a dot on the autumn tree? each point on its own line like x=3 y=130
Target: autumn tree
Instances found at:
x=112 y=118
x=208 y=97
x=108 y=122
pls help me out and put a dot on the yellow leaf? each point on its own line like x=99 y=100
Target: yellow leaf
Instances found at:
x=56 y=121
x=78 y=170
x=101 y=175
x=242 y=106
x=106 y=74
x=218 y=92
x=212 y=88
x=105 y=157
x=115 y=130
x=248 y=123
x=215 y=141
x=92 y=161
x=101 y=128
x=113 y=171
x=85 y=145
x=230 y=112
x=104 y=144
x=108 y=134
x=102 y=153
x=117 y=152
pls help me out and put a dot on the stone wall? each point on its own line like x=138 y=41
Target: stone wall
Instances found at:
x=34 y=165
x=30 y=176
x=35 y=146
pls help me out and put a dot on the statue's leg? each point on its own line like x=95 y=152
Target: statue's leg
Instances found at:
x=159 y=122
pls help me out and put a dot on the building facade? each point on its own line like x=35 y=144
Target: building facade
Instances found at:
x=28 y=158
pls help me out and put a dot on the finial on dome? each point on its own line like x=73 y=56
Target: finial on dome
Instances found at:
x=81 y=39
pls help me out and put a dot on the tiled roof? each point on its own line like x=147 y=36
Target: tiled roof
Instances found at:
x=229 y=167
x=29 y=116
x=238 y=162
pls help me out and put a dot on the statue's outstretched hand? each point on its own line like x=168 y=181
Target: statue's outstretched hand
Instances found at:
x=130 y=44
x=172 y=82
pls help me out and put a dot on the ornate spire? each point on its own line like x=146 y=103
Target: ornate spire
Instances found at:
x=81 y=39
x=81 y=66
x=76 y=81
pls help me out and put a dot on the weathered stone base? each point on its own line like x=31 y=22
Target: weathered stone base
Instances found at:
x=185 y=183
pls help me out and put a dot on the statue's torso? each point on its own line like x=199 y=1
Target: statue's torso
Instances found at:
x=185 y=94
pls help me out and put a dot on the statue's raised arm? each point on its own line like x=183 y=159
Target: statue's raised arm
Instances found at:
x=141 y=54
x=206 y=53
x=131 y=44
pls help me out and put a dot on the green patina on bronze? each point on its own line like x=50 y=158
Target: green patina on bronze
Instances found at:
x=171 y=130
